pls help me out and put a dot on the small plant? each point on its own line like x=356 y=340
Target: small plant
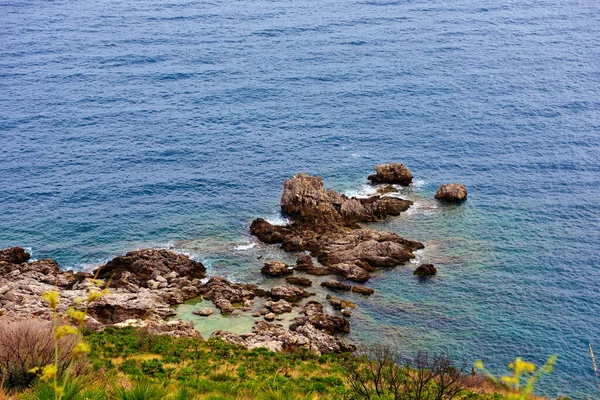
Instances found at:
x=522 y=378
x=141 y=390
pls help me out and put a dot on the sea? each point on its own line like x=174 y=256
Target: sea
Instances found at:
x=132 y=124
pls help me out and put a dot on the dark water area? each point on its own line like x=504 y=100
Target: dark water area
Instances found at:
x=132 y=124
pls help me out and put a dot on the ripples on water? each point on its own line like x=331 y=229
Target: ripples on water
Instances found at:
x=132 y=124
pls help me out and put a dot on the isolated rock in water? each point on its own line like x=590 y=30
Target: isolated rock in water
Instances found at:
x=363 y=290
x=314 y=315
x=223 y=293
x=14 y=255
x=276 y=269
x=392 y=173
x=336 y=285
x=138 y=267
x=425 y=269
x=452 y=192
x=299 y=281
x=304 y=263
x=205 y=312
x=340 y=304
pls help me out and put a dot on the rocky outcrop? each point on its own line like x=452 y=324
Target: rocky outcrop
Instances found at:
x=325 y=223
x=205 y=312
x=392 y=173
x=149 y=267
x=340 y=304
x=14 y=255
x=132 y=294
x=276 y=269
x=425 y=270
x=452 y=192
x=299 y=281
x=278 y=307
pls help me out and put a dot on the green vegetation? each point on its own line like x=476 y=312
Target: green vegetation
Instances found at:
x=130 y=364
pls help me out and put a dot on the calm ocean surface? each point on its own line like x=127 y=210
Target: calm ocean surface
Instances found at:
x=126 y=124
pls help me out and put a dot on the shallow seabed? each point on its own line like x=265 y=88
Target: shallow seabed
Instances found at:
x=126 y=124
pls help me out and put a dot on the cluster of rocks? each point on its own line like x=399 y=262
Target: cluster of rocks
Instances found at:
x=133 y=294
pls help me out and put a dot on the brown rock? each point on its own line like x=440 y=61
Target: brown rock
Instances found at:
x=392 y=173
x=340 y=304
x=278 y=307
x=205 y=312
x=276 y=269
x=298 y=281
x=363 y=290
x=14 y=255
x=452 y=192
x=336 y=285
x=289 y=293
x=138 y=267
x=269 y=317
x=425 y=270
x=350 y=271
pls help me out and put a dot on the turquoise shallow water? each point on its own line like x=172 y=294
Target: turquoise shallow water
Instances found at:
x=132 y=124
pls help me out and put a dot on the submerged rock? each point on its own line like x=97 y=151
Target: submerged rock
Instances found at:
x=299 y=281
x=451 y=192
x=336 y=285
x=392 y=173
x=425 y=270
x=205 y=312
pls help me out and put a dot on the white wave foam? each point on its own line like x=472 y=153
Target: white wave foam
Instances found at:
x=277 y=220
x=355 y=155
x=418 y=260
x=365 y=191
x=245 y=246
x=418 y=184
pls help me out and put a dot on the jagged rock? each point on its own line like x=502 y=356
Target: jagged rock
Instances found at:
x=276 y=269
x=14 y=255
x=350 y=271
x=299 y=281
x=278 y=307
x=289 y=293
x=138 y=267
x=425 y=270
x=314 y=315
x=336 y=285
x=392 y=173
x=304 y=263
x=205 y=312
x=452 y=192
x=363 y=290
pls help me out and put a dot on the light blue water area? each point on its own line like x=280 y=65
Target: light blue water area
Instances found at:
x=126 y=124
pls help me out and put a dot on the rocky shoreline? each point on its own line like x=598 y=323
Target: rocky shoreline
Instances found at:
x=145 y=285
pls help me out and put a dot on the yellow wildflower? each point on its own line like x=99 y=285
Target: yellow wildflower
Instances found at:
x=510 y=380
x=523 y=366
x=65 y=330
x=76 y=315
x=80 y=349
x=93 y=296
x=478 y=364
x=48 y=372
x=34 y=370
x=97 y=282
x=51 y=298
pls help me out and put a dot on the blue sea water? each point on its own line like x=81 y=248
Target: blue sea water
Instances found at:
x=127 y=124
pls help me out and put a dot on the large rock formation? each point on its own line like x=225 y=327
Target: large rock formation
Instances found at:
x=452 y=192
x=325 y=223
x=133 y=295
x=276 y=268
x=392 y=173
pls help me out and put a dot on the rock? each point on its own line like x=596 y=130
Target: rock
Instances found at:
x=346 y=313
x=340 y=304
x=14 y=255
x=363 y=290
x=385 y=190
x=205 y=312
x=315 y=316
x=289 y=293
x=299 y=281
x=452 y=192
x=336 y=285
x=278 y=307
x=224 y=305
x=304 y=263
x=263 y=311
x=425 y=270
x=223 y=293
x=269 y=317
x=350 y=271
x=138 y=267
x=392 y=173
x=256 y=314
x=276 y=269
